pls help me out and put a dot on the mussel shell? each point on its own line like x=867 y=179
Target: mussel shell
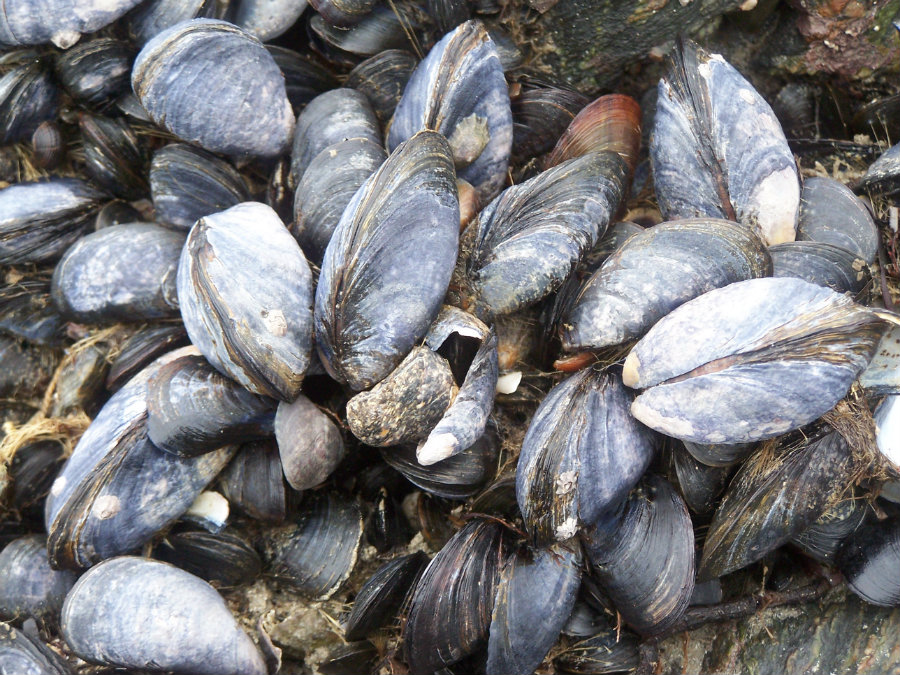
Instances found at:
x=35 y=22
x=700 y=484
x=32 y=471
x=79 y=382
x=154 y=16
x=332 y=178
x=883 y=176
x=193 y=409
x=609 y=651
x=654 y=272
x=534 y=599
x=267 y=19
x=718 y=150
x=887 y=418
x=388 y=264
x=383 y=28
x=382 y=78
x=20 y=653
x=643 y=557
x=116 y=212
x=28 y=585
x=380 y=598
x=461 y=79
x=823 y=539
x=224 y=560
x=717 y=454
x=750 y=361
x=24 y=371
x=121 y=613
x=187 y=183
x=309 y=443
x=332 y=117
x=48 y=145
x=551 y=220
x=26 y=312
x=540 y=115
x=143 y=347
x=245 y=292
x=304 y=78
x=819 y=263
x=96 y=72
x=387 y=525
x=236 y=67
x=581 y=455
x=113 y=157
x=869 y=561
x=343 y=13
x=832 y=214
x=28 y=97
x=38 y=221
x=315 y=556
x=121 y=273
x=254 y=482
x=450 y=612
x=773 y=499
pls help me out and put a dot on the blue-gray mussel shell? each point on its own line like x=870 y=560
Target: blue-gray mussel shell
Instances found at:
x=830 y=213
x=459 y=90
x=245 y=292
x=869 y=560
x=772 y=499
x=309 y=443
x=223 y=559
x=38 y=221
x=304 y=77
x=324 y=191
x=29 y=587
x=211 y=83
x=121 y=273
x=450 y=612
x=382 y=78
x=343 y=13
x=35 y=22
x=643 y=556
x=535 y=596
x=22 y=654
x=581 y=455
x=118 y=489
x=819 y=263
x=28 y=97
x=389 y=262
x=385 y=27
x=267 y=19
x=155 y=16
x=141 y=349
x=143 y=614
x=750 y=361
x=654 y=272
x=718 y=150
x=527 y=241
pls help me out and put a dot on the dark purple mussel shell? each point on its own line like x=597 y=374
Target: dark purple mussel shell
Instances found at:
x=823 y=539
x=142 y=348
x=96 y=72
x=28 y=98
x=113 y=156
x=869 y=561
x=225 y=560
x=701 y=485
x=382 y=78
x=541 y=113
x=27 y=312
x=304 y=78
x=309 y=443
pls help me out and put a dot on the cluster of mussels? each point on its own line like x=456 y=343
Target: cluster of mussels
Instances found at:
x=307 y=375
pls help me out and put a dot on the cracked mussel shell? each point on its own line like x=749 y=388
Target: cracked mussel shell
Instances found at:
x=143 y=614
x=237 y=68
x=309 y=443
x=583 y=452
x=869 y=560
x=29 y=587
x=750 y=361
x=30 y=22
x=245 y=292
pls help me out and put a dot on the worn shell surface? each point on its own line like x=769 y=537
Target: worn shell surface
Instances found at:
x=718 y=150
x=819 y=263
x=137 y=613
x=35 y=22
x=830 y=213
x=528 y=240
x=122 y=273
x=245 y=292
x=582 y=454
x=24 y=655
x=28 y=585
x=750 y=361
x=267 y=19
x=309 y=443
x=211 y=83
x=869 y=561
x=654 y=272
x=28 y=97
x=389 y=262
x=459 y=90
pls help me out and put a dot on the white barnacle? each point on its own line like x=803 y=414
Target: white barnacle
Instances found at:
x=565 y=482
x=567 y=529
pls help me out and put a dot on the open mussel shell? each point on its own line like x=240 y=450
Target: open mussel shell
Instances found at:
x=750 y=361
x=823 y=539
x=236 y=68
x=534 y=599
x=656 y=271
x=830 y=213
x=315 y=556
x=118 y=489
x=225 y=560
x=869 y=560
x=304 y=78
x=38 y=221
x=96 y=72
x=309 y=443
x=378 y=601
x=541 y=113
x=154 y=16
x=27 y=312
x=551 y=220
x=121 y=613
x=26 y=22
x=382 y=78
x=142 y=348
x=245 y=292
x=122 y=273
x=20 y=653
x=459 y=90
x=113 y=157
x=450 y=611
x=332 y=178
x=772 y=499
x=388 y=265
x=718 y=150
x=193 y=409
x=266 y=19
x=187 y=183
x=643 y=556
x=819 y=263
x=254 y=482
x=29 y=587
x=581 y=455
x=330 y=118
x=28 y=97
